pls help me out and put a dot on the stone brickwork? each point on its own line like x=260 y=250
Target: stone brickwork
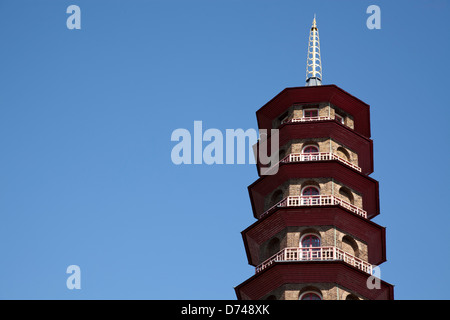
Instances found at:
x=326 y=109
x=328 y=291
x=325 y=145
x=348 y=119
x=342 y=259
x=327 y=186
x=329 y=236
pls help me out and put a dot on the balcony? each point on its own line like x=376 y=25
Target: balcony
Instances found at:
x=317 y=156
x=316 y=254
x=321 y=200
x=306 y=119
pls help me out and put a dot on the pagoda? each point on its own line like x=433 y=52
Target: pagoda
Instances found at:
x=314 y=238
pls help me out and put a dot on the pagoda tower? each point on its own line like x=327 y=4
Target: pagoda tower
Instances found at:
x=313 y=238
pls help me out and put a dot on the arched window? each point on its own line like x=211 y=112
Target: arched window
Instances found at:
x=349 y=245
x=310 y=153
x=310 y=149
x=346 y=194
x=310 y=247
x=310 y=196
x=310 y=191
x=310 y=241
x=341 y=152
x=276 y=197
x=273 y=247
x=310 y=295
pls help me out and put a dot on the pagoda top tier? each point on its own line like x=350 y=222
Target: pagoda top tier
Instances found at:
x=309 y=95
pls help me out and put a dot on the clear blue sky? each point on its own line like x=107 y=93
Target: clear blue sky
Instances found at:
x=86 y=117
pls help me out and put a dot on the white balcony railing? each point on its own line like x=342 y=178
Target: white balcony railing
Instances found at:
x=321 y=200
x=316 y=254
x=317 y=156
x=306 y=119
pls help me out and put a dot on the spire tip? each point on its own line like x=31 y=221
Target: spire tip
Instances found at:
x=313 y=61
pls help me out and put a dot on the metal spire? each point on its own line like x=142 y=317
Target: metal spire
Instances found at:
x=313 y=62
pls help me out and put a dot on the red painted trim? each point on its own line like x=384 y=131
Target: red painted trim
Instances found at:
x=365 y=185
x=328 y=129
x=280 y=273
x=359 y=110
x=264 y=229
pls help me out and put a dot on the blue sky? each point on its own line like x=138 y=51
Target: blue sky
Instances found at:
x=86 y=117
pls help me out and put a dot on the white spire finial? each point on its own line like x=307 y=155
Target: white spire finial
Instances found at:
x=313 y=61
